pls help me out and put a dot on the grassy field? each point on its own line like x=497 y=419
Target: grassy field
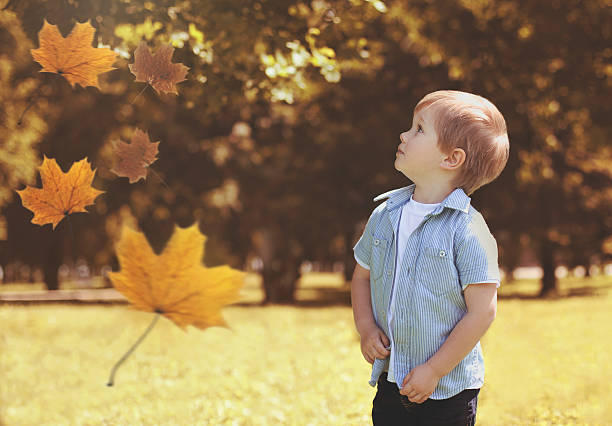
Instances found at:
x=547 y=363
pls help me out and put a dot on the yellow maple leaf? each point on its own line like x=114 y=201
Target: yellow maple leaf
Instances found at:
x=61 y=193
x=175 y=283
x=73 y=57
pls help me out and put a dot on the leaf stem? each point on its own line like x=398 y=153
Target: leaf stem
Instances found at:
x=159 y=177
x=32 y=99
x=127 y=354
x=143 y=89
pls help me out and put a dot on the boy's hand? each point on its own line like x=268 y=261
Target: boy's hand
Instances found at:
x=420 y=383
x=374 y=344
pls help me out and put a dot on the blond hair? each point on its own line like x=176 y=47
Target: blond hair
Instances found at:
x=472 y=123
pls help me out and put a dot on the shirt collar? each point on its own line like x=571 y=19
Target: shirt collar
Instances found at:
x=457 y=199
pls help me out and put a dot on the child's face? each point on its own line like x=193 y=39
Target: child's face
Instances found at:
x=418 y=155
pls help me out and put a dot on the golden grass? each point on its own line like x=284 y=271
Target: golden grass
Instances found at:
x=547 y=363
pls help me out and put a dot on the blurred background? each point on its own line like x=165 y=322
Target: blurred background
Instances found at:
x=288 y=122
x=286 y=128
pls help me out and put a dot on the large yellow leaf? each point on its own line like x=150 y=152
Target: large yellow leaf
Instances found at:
x=61 y=193
x=175 y=283
x=73 y=57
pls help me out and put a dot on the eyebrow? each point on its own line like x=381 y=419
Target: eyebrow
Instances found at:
x=422 y=120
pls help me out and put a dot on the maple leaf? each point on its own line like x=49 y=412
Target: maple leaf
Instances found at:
x=73 y=56
x=61 y=193
x=134 y=158
x=157 y=70
x=175 y=283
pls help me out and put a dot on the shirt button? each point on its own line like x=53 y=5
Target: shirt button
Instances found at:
x=442 y=253
x=388 y=272
x=376 y=242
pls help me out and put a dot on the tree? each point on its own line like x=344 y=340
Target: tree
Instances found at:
x=237 y=68
x=544 y=65
x=288 y=123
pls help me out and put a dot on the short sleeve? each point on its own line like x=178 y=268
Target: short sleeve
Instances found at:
x=363 y=249
x=476 y=256
x=362 y=263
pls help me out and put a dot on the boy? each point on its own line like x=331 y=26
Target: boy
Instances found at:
x=424 y=289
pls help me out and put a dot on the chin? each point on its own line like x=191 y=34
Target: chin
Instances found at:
x=403 y=171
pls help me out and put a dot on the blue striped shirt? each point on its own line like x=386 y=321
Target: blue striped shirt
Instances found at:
x=449 y=250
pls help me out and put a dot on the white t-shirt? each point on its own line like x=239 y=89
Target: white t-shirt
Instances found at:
x=411 y=216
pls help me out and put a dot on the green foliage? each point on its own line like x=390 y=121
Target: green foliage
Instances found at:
x=18 y=154
x=290 y=116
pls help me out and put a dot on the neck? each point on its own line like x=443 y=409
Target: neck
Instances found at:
x=431 y=194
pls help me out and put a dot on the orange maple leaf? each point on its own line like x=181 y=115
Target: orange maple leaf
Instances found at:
x=134 y=158
x=175 y=283
x=157 y=70
x=73 y=56
x=61 y=193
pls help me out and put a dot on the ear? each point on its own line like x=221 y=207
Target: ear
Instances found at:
x=454 y=160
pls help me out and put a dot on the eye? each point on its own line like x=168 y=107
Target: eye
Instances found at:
x=419 y=127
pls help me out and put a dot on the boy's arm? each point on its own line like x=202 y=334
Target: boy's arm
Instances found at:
x=360 y=284
x=481 y=301
x=374 y=342
x=361 y=299
x=373 y=339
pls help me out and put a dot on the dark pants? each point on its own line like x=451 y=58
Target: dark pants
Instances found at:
x=390 y=408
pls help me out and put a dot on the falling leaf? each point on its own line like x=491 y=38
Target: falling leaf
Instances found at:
x=73 y=56
x=175 y=283
x=134 y=158
x=61 y=193
x=157 y=70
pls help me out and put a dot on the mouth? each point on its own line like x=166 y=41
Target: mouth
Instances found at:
x=399 y=152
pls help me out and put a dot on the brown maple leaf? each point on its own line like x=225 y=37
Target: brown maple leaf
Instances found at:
x=157 y=70
x=73 y=56
x=61 y=193
x=132 y=159
x=175 y=283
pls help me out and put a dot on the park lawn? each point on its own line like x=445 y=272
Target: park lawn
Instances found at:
x=547 y=363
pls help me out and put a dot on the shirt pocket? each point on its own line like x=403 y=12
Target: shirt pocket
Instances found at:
x=437 y=270
x=379 y=251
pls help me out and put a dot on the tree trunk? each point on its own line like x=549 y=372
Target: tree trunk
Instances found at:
x=52 y=264
x=587 y=270
x=280 y=266
x=547 y=262
x=50 y=272
x=349 y=260
x=279 y=281
x=511 y=258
